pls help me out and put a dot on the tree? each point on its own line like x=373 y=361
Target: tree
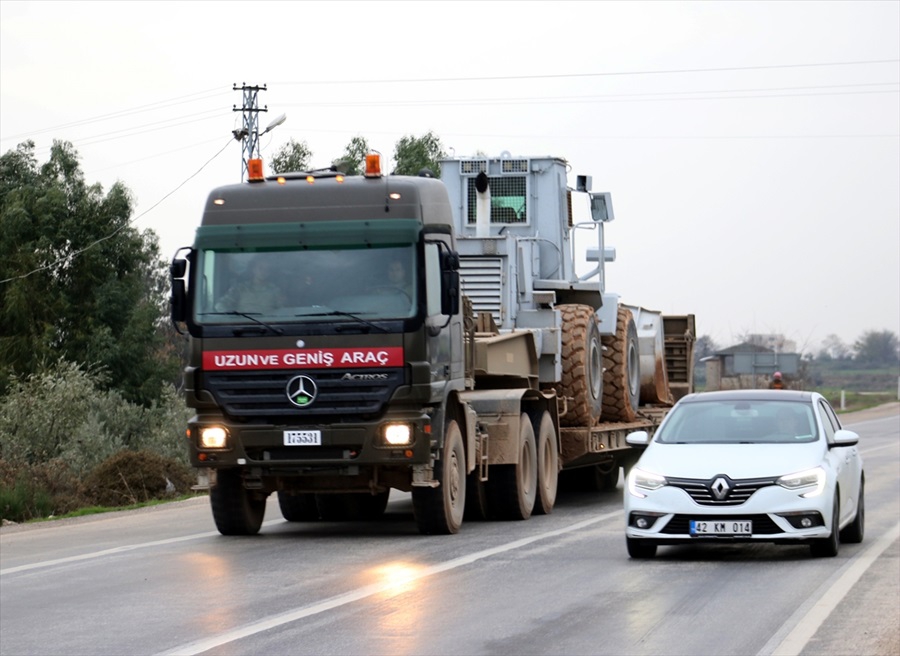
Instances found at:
x=78 y=281
x=351 y=162
x=833 y=348
x=878 y=348
x=412 y=154
x=292 y=156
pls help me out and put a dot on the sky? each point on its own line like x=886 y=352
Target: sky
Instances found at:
x=752 y=149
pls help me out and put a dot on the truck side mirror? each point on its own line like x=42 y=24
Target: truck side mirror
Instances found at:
x=450 y=293
x=178 y=299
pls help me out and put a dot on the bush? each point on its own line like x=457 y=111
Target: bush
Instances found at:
x=59 y=427
x=39 y=490
x=131 y=477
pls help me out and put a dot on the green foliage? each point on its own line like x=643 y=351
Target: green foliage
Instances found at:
x=62 y=413
x=352 y=161
x=79 y=281
x=878 y=347
x=412 y=154
x=292 y=156
x=38 y=490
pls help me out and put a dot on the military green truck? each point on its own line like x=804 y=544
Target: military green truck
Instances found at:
x=354 y=334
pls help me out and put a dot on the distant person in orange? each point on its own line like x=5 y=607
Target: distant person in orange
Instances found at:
x=777 y=381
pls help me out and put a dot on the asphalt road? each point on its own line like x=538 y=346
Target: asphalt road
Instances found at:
x=163 y=581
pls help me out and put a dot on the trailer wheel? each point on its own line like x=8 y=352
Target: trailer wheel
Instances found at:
x=582 y=366
x=298 y=507
x=439 y=510
x=513 y=488
x=622 y=378
x=236 y=510
x=547 y=466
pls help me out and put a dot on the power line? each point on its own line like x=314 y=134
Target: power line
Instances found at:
x=75 y=254
x=556 y=76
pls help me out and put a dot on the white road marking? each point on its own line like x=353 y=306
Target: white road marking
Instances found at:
x=115 y=550
x=827 y=600
x=281 y=619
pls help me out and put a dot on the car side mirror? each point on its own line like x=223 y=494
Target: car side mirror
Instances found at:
x=845 y=437
x=638 y=438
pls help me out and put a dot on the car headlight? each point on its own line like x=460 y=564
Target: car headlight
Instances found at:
x=810 y=478
x=213 y=437
x=398 y=434
x=638 y=480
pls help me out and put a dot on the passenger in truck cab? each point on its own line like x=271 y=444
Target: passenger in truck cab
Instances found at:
x=256 y=293
x=398 y=278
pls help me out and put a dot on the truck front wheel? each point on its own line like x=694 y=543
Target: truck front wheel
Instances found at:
x=300 y=507
x=236 y=510
x=440 y=510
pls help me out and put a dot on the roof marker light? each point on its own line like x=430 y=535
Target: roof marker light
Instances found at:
x=255 y=170
x=373 y=165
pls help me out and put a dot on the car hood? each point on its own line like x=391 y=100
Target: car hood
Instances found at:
x=734 y=460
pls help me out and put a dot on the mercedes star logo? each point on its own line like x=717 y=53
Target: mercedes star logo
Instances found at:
x=301 y=391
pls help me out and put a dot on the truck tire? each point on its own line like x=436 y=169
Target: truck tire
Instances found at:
x=439 y=510
x=547 y=466
x=477 y=507
x=582 y=366
x=299 y=507
x=512 y=489
x=594 y=478
x=236 y=510
x=622 y=375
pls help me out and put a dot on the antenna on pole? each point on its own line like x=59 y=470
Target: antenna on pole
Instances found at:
x=249 y=132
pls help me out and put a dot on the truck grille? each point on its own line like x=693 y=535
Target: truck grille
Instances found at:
x=482 y=281
x=263 y=395
x=701 y=491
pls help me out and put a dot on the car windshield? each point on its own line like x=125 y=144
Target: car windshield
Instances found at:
x=739 y=422
x=287 y=285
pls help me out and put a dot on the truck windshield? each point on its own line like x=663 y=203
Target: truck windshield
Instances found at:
x=281 y=285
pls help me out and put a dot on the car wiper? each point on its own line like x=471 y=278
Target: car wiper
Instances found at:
x=242 y=331
x=341 y=313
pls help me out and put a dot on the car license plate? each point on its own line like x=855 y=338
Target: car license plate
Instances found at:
x=303 y=438
x=728 y=527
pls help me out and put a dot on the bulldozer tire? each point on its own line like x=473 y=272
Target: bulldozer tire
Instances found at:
x=236 y=510
x=622 y=375
x=582 y=366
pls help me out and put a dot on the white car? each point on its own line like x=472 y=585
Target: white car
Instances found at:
x=746 y=466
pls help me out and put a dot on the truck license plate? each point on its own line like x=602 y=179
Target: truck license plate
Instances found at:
x=303 y=438
x=726 y=527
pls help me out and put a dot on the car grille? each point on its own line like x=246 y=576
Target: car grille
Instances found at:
x=263 y=394
x=702 y=491
x=762 y=524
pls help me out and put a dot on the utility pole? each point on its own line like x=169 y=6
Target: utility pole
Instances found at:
x=248 y=134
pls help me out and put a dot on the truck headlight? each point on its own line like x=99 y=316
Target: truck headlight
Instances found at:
x=398 y=434
x=213 y=437
x=638 y=480
x=810 y=478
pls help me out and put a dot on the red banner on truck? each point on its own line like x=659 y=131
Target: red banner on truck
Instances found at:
x=324 y=358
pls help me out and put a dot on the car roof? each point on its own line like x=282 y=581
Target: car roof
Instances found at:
x=751 y=395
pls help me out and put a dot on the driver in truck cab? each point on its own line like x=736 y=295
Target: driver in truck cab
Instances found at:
x=257 y=293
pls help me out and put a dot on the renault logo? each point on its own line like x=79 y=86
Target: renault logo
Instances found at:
x=720 y=488
x=301 y=391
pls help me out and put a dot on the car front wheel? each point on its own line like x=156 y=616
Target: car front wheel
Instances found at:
x=640 y=548
x=828 y=547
